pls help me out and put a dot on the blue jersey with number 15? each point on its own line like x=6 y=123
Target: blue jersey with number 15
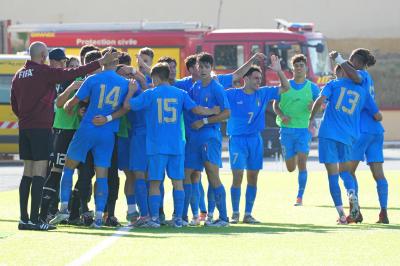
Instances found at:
x=106 y=92
x=341 y=120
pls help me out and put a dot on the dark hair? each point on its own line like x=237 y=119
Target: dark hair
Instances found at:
x=253 y=68
x=109 y=48
x=147 y=51
x=299 y=58
x=166 y=59
x=161 y=70
x=125 y=59
x=92 y=56
x=190 y=61
x=205 y=58
x=86 y=49
x=365 y=56
x=72 y=58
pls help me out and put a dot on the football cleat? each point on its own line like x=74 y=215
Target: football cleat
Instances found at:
x=132 y=217
x=112 y=221
x=60 y=217
x=25 y=225
x=209 y=220
x=354 y=208
x=177 y=223
x=195 y=221
x=248 y=219
x=203 y=216
x=235 y=218
x=162 y=219
x=152 y=224
x=383 y=217
x=342 y=220
x=87 y=218
x=358 y=219
x=299 y=202
x=42 y=227
x=218 y=223
x=141 y=221
x=97 y=223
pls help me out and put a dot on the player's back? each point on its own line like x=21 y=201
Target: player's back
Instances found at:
x=163 y=120
x=106 y=92
x=341 y=120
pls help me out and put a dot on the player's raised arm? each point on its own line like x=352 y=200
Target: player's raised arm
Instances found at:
x=276 y=66
x=242 y=70
x=350 y=71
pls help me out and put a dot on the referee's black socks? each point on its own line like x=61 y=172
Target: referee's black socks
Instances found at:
x=36 y=197
x=24 y=188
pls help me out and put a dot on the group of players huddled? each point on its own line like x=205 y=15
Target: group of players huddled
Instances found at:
x=110 y=116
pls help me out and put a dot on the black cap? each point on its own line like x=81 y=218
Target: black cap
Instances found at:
x=57 y=54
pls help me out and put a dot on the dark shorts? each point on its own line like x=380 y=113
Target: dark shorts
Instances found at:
x=62 y=138
x=35 y=144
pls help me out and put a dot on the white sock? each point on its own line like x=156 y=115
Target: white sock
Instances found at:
x=99 y=215
x=64 y=206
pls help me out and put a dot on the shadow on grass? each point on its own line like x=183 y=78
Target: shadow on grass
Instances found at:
x=362 y=207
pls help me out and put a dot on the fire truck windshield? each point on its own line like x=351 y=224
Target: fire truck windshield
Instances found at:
x=318 y=52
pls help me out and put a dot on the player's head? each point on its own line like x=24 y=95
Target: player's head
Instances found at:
x=92 y=56
x=160 y=73
x=86 y=49
x=38 y=52
x=172 y=66
x=253 y=77
x=57 y=58
x=73 y=62
x=339 y=72
x=205 y=63
x=299 y=63
x=113 y=64
x=190 y=63
x=147 y=55
x=125 y=59
x=362 y=58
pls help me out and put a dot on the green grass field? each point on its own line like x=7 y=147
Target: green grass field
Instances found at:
x=305 y=235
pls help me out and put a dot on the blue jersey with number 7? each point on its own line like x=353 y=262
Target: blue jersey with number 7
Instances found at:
x=345 y=100
x=106 y=92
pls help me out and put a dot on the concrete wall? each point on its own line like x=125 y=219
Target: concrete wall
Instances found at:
x=337 y=19
x=391 y=123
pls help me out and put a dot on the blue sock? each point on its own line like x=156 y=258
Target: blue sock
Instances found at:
x=348 y=182
x=194 y=201
x=66 y=184
x=235 y=198
x=154 y=202
x=162 y=194
x=179 y=199
x=210 y=200
x=251 y=192
x=101 y=193
x=302 y=179
x=220 y=201
x=334 y=188
x=202 y=202
x=141 y=194
x=130 y=199
x=188 y=196
x=382 y=188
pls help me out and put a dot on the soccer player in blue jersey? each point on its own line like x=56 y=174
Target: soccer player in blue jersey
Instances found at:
x=204 y=145
x=369 y=146
x=164 y=105
x=247 y=120
x=106 y=92
x=145 y=61
x=293 y=112
x=340 y=127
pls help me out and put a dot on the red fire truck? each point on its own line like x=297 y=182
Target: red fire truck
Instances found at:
x=230 y=48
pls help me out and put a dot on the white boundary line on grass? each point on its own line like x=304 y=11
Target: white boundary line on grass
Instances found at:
x=88 y=256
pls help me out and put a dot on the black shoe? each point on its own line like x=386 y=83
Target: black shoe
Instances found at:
x=76 y=221
x=87 y=218
x=383 y=217
x=25 y=226
x=112 y=221
x=43 y=227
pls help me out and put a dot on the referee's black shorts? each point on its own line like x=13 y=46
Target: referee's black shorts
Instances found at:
x=35 y=144
x=62 y=139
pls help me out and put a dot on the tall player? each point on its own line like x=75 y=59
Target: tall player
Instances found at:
x=106 y=92
x=340 y=127
x=370 y=144
x=248 y=105
x=293 y=112
x=164 y=105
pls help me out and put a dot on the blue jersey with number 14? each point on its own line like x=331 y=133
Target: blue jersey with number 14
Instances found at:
x=341 y=120
x=106 y=92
